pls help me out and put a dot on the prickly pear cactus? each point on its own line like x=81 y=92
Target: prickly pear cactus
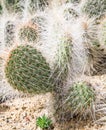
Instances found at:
x=67 y=36
x=27 y=70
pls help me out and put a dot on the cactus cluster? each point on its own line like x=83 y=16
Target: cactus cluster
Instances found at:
x=68 y=35
x=27 y=70
x=81 y=96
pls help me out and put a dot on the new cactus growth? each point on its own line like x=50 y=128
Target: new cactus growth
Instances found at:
x=81 y=98
x=95 y=8
x=28 y=34
x=27 y=70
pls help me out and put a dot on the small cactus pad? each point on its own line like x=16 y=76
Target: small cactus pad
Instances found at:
x=81 y=97
x=28 y=34
x=27 y=70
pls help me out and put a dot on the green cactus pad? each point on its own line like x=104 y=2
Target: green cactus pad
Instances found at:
x=27 y=70
x=28 y=33
x=81 y=98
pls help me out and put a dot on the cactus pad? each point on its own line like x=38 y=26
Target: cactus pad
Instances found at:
x=81 y=97
x=28 y=33
x=27 y=70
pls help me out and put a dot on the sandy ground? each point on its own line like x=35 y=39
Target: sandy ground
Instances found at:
x=21 y=113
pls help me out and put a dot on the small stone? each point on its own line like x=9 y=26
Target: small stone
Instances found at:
x=14 y=128
x=7 y=120
x=23 y=108
x=16 y=108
